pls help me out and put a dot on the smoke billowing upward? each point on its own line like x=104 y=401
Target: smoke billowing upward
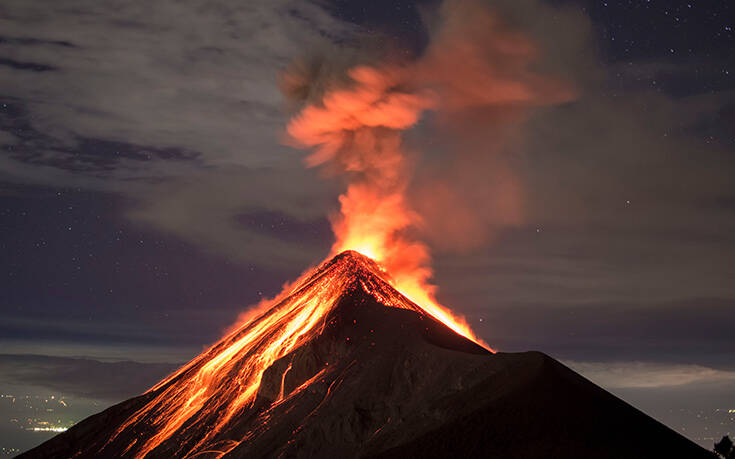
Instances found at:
x=476 y=76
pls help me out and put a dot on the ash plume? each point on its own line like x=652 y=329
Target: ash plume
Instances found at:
x=477 y=78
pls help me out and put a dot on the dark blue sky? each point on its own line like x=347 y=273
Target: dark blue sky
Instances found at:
x=146 y=198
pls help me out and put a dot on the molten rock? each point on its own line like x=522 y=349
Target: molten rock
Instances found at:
x=345 y=366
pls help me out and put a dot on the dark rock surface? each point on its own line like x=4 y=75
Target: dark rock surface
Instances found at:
x=388 y=382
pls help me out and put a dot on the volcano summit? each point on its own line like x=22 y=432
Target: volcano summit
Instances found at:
x=343 y=365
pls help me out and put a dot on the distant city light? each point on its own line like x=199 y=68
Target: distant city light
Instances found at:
x=48 y=429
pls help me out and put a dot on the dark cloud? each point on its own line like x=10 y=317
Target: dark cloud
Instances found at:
x=28 y=41
x=77 y=155
x=19 y=65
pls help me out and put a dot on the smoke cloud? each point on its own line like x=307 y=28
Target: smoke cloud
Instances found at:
x=477 y=79
x=483 y=72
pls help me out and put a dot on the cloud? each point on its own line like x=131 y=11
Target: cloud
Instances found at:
x=173 y=104
x=205 y=209
x=204 y=81
x=619 y=375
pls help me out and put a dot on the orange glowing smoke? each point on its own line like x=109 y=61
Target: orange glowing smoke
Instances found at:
x=357 y=130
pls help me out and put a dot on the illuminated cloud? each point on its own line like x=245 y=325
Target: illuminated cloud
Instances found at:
x=618 y=375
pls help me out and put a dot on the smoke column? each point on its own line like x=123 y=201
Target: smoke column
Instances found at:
x=476 y=76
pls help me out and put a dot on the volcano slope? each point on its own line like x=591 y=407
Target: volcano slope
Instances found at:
x=345 y=366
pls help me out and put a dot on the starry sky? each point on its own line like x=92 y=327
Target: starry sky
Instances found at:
x=147 y=197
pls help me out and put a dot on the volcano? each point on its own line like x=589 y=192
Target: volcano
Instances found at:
x=343 y=365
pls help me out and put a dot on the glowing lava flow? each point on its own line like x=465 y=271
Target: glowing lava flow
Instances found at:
x=223 y=382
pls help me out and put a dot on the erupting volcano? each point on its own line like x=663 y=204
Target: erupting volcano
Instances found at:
x=357 y=358
x=344 y=365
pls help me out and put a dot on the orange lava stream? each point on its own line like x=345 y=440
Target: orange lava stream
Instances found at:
x=252 y=349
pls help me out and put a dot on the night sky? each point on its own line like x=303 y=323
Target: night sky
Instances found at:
x=147 y=196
